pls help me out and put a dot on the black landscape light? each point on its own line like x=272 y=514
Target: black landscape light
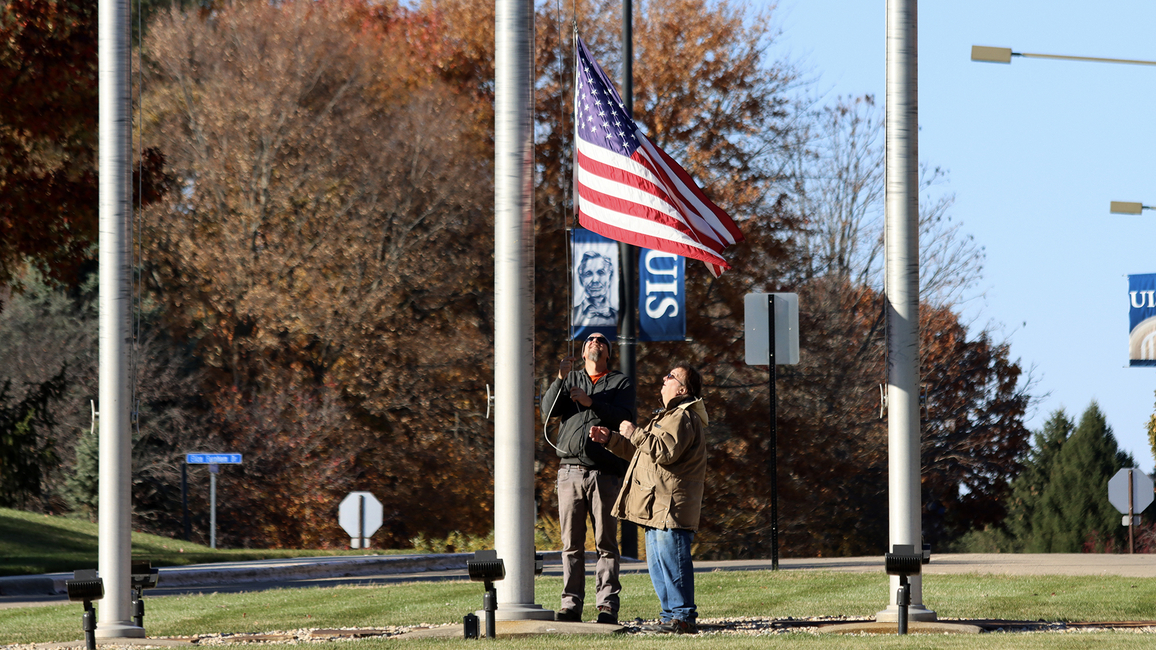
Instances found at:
x=470 y=625
x=86 y=587
x=903 y=561
x=143 y=576
x=487 y=567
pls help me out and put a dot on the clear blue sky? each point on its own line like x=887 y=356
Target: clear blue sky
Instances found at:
x=1036 y=150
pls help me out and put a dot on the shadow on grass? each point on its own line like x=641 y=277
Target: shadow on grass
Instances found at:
x=28 y=546
x=33 y=543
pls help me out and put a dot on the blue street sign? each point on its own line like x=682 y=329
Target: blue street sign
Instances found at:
x=213 y=459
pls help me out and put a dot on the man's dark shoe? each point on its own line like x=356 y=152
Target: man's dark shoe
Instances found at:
x=675 y=626
x=571 y=615
x=684 y=627
x=606 y=616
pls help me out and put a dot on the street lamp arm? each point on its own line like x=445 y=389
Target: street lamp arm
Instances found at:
x=1083 y=58
x=1004 y=54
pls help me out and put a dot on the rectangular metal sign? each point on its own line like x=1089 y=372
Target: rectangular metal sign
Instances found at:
x=757 y=324
x=213 y=459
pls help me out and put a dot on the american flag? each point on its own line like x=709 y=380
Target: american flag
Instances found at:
x=631 y=191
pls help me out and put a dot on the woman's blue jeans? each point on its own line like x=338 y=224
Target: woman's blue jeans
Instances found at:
x=671 y=571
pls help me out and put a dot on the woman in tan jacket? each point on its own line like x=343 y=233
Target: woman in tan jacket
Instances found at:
x=662 y=491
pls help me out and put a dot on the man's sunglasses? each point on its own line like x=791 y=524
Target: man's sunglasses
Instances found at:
x=598 y=339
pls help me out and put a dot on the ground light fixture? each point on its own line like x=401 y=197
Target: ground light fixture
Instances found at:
x=144 y=576
x=1127 y=207
x=986 y=54
x=85 y=587
x=487 y=567
x=903 y=561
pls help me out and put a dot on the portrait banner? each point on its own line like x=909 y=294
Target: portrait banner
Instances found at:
x=593 y=285
x=1142 y=320
x=661 y=296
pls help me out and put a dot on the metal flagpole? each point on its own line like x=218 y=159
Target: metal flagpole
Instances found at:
x=629 y=255
x=115 y=529
x=902 y=294
x=773 y=443
x=514 y=310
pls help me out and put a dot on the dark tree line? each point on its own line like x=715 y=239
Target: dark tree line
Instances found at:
x=1059 y=502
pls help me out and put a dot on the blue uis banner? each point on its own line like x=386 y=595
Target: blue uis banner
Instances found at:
x=661 y=296
x=594 y=285
x=1142 y=320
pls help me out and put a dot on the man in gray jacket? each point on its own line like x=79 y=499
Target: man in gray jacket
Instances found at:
x=662 y=491
x=589 y=477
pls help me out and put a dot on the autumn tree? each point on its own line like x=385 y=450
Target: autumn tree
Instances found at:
x=760 y=157
x=972 y=430
x=328 y=259
x=48 y=137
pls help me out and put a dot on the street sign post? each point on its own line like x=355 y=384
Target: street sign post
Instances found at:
x=771 y=329
x=213 y=460
x=1130 y=490
x=360 y=515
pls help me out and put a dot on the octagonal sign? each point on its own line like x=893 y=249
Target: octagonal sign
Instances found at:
x=1141 y=491
x=360 y=515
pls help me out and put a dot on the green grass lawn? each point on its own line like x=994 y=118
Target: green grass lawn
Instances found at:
x=719 y=594
x=33 y=543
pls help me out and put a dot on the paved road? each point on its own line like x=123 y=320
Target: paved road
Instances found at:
x=23 y=591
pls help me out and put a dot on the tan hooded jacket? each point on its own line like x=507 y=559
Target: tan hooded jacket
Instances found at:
x=664 y=483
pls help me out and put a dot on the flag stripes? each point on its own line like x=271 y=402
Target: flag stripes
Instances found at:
x=628 y=189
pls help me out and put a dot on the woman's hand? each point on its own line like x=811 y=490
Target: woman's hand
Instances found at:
x=626 y=429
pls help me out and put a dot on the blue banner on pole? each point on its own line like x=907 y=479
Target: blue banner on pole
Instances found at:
x=661 y=296
x=1142 y=320
x=594 y=285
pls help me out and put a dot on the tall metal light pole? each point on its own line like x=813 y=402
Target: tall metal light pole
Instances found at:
x=629 y=255
x=115 y=529
x=902 y=293
x=514 y=309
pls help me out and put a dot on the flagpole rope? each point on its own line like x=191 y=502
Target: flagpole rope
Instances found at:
x=136 y=225
x=567 y=188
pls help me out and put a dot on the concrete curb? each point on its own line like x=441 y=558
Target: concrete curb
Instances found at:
x=304 y=568
x=32 y=585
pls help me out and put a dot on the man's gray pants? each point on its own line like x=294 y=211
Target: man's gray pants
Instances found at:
x=583 y=493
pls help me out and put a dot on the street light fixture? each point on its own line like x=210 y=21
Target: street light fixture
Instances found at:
x=1125 y=207
x=985 y=54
